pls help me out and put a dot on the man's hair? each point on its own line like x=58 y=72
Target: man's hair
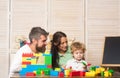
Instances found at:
x=36 y=32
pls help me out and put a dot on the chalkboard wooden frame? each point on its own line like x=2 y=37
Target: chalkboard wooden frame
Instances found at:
x=111 y=52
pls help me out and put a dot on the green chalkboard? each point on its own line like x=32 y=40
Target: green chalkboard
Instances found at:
x=111 y=54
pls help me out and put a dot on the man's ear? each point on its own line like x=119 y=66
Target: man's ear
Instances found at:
x=34 y=40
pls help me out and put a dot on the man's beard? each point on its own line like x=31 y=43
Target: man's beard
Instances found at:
x=40 y=49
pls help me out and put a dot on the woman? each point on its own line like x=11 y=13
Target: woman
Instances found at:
x=60 y=50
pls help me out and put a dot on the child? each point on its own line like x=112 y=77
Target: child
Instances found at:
x=77 y=63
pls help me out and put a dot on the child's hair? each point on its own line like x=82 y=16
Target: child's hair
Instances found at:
x=77 y=46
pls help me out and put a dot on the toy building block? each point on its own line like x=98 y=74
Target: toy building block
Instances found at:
x=90 y=74
x=24 y=63
x=49 y=66
x=47 y=71
x=38 y=72
x=58 y=69
x=67 y=72
x=61 y=74
x=82 y=73
x=106 y=74
x=34 y=72
x=111 y=71
x=48 y=60
x=37 y=54
x=102 y=73
x=92 y=68
x=54 y=73
x=42 y=73
x=30 y=74
x=74 y=73
x=27 y=55
x=33 y=61
x=42 y=66
x=24 y=66
x=47 y=52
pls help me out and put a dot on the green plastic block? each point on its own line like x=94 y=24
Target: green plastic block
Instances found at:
x=48 y=60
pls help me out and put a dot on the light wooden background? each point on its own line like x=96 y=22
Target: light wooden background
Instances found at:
x=88 y=21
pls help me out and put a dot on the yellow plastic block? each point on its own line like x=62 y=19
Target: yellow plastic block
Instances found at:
x=98 y=70
x=33 y=61
x=90 y=74
x=24 y=58
x=47 y=52
x=38 y=54
x=58 y=69
x=34 y=72
x=24 y=66
x=102 y=69
x=67 y=72
x=106 y=74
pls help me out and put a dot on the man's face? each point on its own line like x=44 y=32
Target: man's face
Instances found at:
x=41 y=44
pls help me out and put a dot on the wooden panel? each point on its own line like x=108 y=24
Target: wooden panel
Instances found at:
x=67 y=16
x=4 y=38
x=4 y=24
x=4 y=63
x=102 y=20
x=25 y=15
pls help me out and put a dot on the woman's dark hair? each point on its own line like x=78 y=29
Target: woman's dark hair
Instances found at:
x=56 y=41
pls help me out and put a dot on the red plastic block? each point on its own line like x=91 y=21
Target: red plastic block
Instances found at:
x=30 y=74
x=27 y=55
x=49 y=66
x=82 y=73
x=61 y=74
x=75 y=73
x=26 y=63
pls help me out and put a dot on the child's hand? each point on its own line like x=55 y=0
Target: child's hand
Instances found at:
x=63 y=66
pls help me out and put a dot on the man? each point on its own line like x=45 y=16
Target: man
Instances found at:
x=38 y=38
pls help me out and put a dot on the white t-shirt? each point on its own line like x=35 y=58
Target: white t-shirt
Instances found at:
x=76 y=65
x=17 y=62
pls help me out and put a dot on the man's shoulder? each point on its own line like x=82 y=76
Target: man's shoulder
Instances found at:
x=24 y=49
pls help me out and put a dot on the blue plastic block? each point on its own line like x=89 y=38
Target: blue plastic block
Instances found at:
x=54 y=73
x=47 y=54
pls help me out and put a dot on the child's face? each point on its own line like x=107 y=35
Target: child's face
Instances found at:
x=78 y=54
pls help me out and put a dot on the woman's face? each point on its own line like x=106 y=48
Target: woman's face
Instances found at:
x=63 y=44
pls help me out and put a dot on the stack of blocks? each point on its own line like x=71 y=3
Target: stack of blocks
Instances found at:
x=36 y=64
x=41 y=65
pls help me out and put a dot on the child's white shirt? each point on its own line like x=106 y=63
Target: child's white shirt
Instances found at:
x=76 y=65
